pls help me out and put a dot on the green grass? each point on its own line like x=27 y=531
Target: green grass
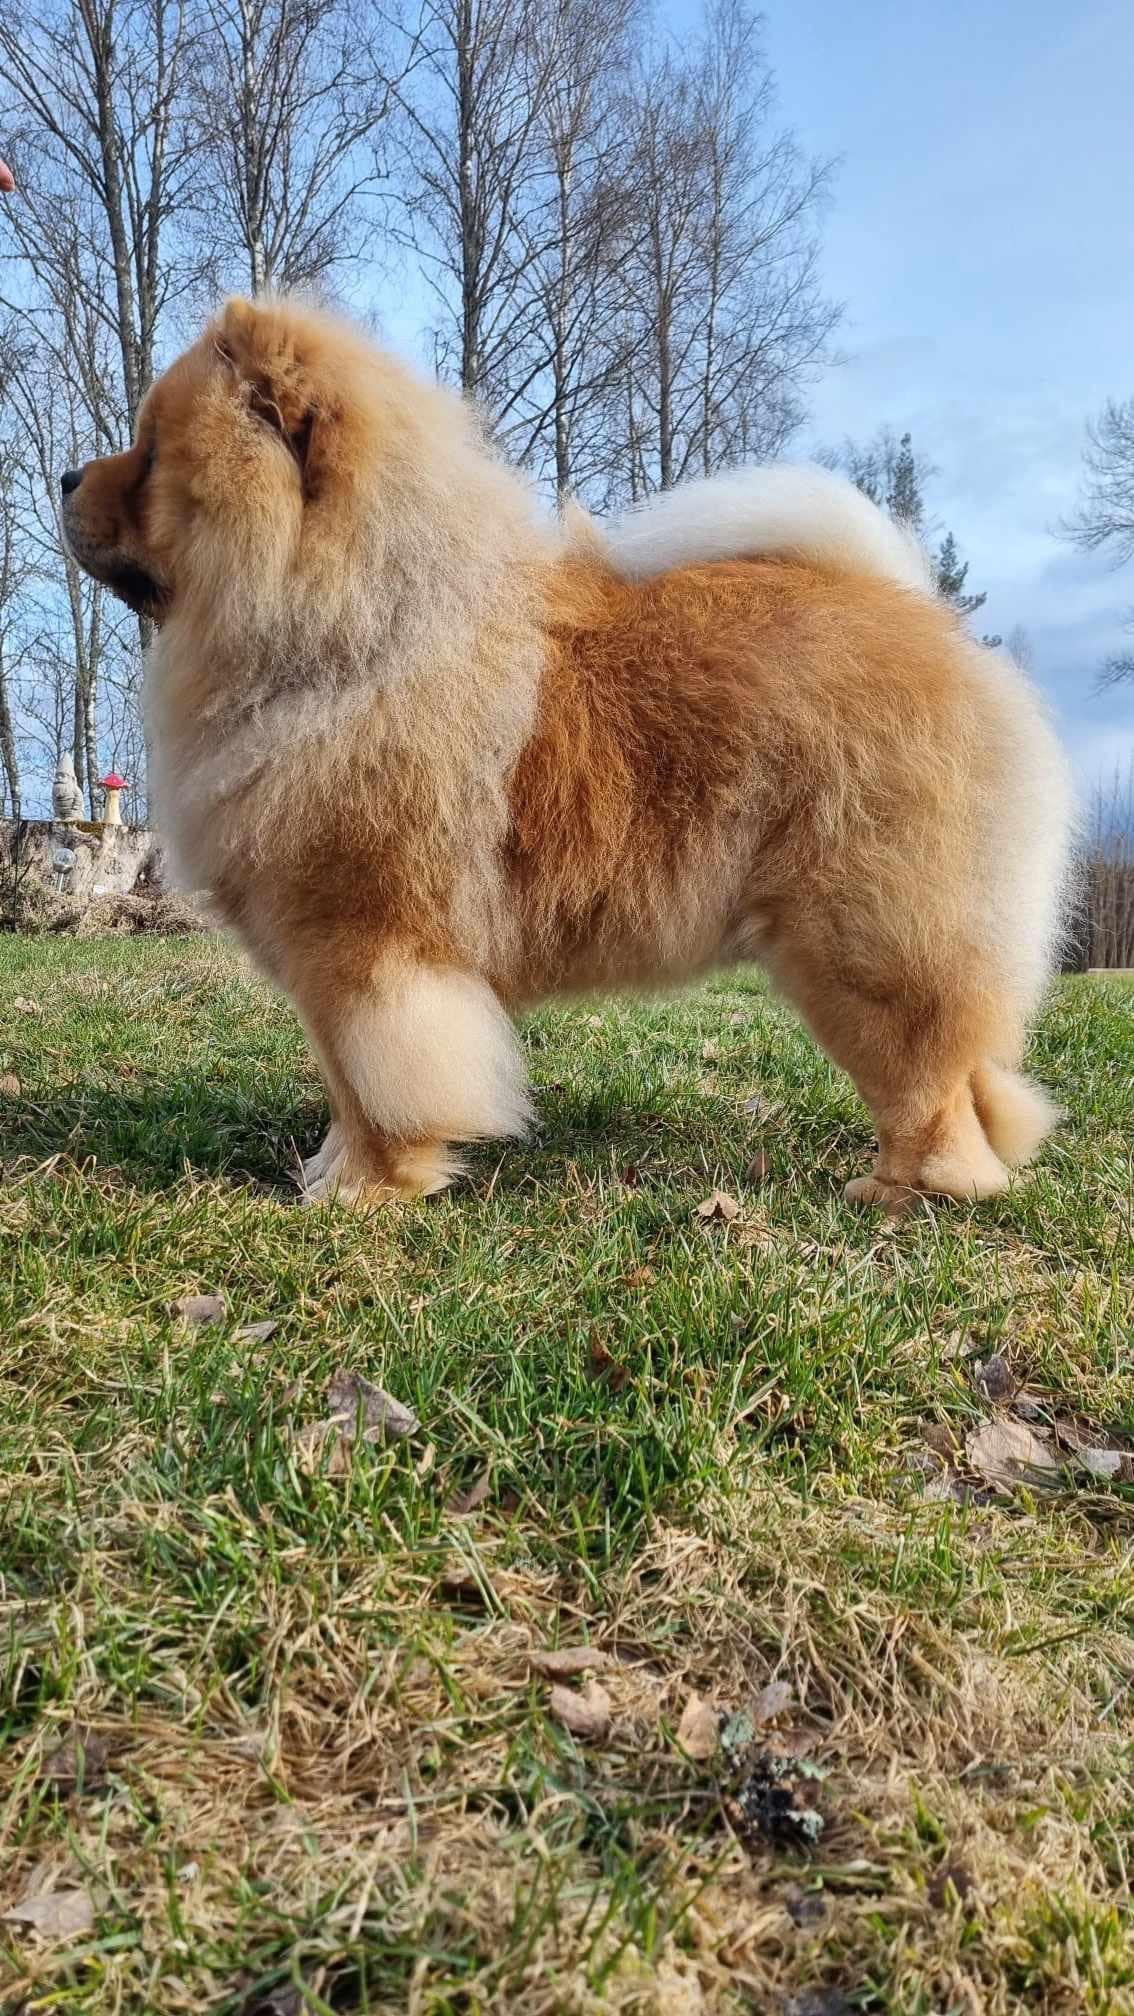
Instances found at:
x=323 y=1765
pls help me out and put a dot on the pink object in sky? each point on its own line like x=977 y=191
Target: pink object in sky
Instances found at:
x=7 y=179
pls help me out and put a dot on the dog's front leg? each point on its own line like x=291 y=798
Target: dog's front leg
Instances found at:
x=415 y=1057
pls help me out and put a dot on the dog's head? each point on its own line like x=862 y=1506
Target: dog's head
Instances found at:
x=251 y=450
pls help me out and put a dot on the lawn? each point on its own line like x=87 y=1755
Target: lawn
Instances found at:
x=278 y=1727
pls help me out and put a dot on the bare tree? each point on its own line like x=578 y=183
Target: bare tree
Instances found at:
x=765 y=324
x=79 y=631
x=553 y=398
x=1104 y=925
x=475 y=74
x=96 y=101
x=96 y=86
x=1104 y=519
x=288 y=99
x=1019 y=645
x=722 y=275
x=15 y=572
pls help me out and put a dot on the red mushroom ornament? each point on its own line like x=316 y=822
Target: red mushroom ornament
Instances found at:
x=112 y=784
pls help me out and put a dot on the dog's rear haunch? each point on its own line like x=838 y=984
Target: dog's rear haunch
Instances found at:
x=437 y=759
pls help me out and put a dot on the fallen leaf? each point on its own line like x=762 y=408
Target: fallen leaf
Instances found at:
x=758 y=1169
x=361 y=1412
x=199 y=1309
x=428 y=1458
x=710 y=1052
x=78 y=1762
x=586 y=1715
x=54 y=1914
x=699 y=1729
x=640 y=1277
x=10 y=1087
x=772 y=1700
x=464 y=1502
x=1009 y=1452
x=956 y=1344
x=604 y=1366
x=359 y=1407
x=566 y=1660
x=1078 y=1439
x=719 y=1205
x=758 y=1107
x=994 y=1378
x=257 y=1333
x=941 y=1437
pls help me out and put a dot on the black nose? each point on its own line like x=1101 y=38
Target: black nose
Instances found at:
x=70 y=480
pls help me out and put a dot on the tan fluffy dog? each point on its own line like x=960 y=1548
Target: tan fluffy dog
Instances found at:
x=437 y=758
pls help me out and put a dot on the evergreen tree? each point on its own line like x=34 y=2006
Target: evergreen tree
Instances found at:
x=951 y=573
x=894 y=476
x=904 y=500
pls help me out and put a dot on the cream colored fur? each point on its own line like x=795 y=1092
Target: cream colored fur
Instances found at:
x=432 y=1055
x=407 y=617
x=799 y=511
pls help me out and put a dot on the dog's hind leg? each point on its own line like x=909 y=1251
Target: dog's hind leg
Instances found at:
x=918 y=947
x=918 y=1044
x=415 y=1058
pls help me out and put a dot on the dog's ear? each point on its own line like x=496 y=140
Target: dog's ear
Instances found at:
x=257 y=343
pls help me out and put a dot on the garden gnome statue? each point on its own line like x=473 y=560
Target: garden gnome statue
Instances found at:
x=66 y=797
x=112 y=784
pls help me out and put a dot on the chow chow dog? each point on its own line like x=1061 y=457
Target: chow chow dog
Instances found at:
x=437 y=756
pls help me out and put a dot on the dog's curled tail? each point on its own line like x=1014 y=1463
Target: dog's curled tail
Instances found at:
x=1016 y=1115
x=796 y=510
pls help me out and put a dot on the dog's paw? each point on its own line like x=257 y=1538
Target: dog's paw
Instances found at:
x=893 y=1198
x=313 y=1172
x=343 y=1173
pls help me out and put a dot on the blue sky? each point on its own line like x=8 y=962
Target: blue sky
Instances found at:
x=981 y=238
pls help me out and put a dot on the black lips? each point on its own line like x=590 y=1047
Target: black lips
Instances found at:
x=137 y=589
